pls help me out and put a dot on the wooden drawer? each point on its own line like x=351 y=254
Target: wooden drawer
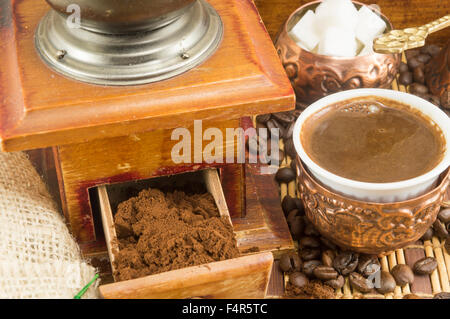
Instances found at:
x=243 y=277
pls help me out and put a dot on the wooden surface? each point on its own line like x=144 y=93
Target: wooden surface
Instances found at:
x=122 y=159
x=402 y=13
x=239 y=278
x=40 y=108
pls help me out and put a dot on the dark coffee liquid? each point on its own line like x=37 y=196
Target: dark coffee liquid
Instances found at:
x=373 y=140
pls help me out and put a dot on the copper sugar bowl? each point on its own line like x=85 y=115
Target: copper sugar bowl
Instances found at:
x=366 y=227
x=314 y=76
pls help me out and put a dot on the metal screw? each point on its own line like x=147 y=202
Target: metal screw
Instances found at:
x=185 y=56
x=61 y=54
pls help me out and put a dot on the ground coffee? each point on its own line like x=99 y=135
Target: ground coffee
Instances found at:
x=159 y=232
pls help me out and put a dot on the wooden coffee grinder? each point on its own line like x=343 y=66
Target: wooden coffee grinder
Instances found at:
x=97 y=88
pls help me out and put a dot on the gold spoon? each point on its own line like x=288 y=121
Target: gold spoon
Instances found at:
x=397 y=41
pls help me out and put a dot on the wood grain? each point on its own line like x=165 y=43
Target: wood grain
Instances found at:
x=239 y=278
x=402 y=13
x=40 y=108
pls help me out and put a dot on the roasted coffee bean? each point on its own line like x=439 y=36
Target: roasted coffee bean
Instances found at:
x=447 y=245
x=309 y=266
x=423 y=58
x=403 y=67
x=417 y=88
x=445 y=103
x=387 y=283
x=300 y=206
x=405 y=78
x=411 y=53
x=309 y=253
x=275 y=128
x=327 y=257
x=294 y=165
x=439 y=229
x=327 y=243
x=346 y=262
x=360 y=282
x=298 y=279
x=325 y=273
x=442 y=295
x=284 y=117
x=289 y=131
x=290 y=262
x=431 y=49
x=428 y=234
x=419 y=75
x=309 y=242
x=444 y=215
x=433 y=99
x=263 y=118
x=296 y=227
x=415 y=63
x=256 y=145
x=403 y=274
x=425 y=266
x=310 y=230
x=292 y=215
x=288 y=204
x=336 y=283
x=289 y=148
x=285 y=175
x=368 y=265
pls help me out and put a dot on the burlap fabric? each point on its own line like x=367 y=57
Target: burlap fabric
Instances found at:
x=38 y=256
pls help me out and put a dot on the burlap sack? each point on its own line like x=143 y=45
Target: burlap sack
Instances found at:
x=38 y=256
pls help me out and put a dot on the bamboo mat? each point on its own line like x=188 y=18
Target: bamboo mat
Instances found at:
x=423 y=286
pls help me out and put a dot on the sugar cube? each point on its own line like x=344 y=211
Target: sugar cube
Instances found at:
x=369 y=25
x=304 y=32
x=337 y=41
x=338 y=13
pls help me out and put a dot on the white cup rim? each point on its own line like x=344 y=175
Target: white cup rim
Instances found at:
x=429 y=109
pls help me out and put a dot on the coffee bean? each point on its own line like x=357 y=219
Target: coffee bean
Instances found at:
x=403 y=67
x=411 y=296
x=263 y=118
x=336 y=283
x=289 y=148
x=346 y=262
x=298 y=279
x=414 y=63
x=327 y=243
x=424 y=58
x=442 y=295
x=387 y=283
x=428 y=234
x=444 y=215
x=289 y=131
x=288 y=204
x=284 y=117
x=411 y=53
x=292 y=215
x=310 y=230
x=325 y=273
x=445 y=102
x=296 y=227
x=359 y=282
x=309 y=253
x=425 y=266
x=290 y=262
x=294 y=165
x=418 y=75
x=439 y=229
x=433 y=99
x=406 y=78
x=285 y=175
x=309 y=242
x=368 y=265
x=327 y=257
x=447 y=245
x=309 y=266
x=275 y=128
x=300 y=206
x=431 y=49
x=403 y=274
x=417 y=88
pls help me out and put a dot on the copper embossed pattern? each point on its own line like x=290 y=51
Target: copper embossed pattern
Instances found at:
x=369 y=227
x=314 y=76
